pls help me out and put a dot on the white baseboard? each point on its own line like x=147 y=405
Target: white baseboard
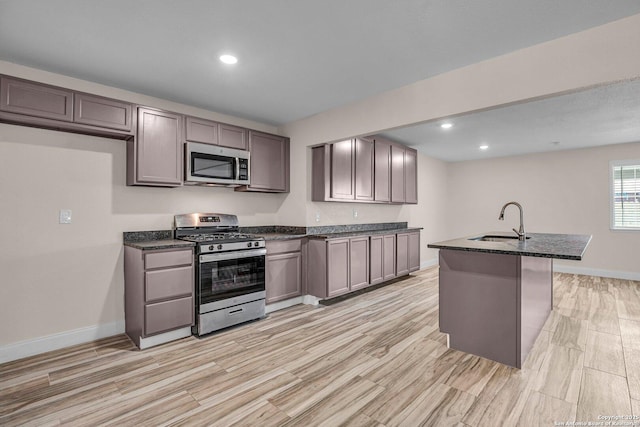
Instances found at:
x=428 y=263
x=275 y=306
x=625 y=275
x=165 y=338
x=60 y=340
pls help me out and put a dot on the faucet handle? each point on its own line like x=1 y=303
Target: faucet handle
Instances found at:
x=516 y=231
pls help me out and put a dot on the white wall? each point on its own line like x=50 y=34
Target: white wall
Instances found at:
x=561 y=192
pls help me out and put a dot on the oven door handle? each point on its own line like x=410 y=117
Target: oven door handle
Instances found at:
x=232 y=255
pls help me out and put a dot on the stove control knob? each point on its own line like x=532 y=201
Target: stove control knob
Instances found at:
x=211 y=247
x=219 y=246
x=256 y=244
x=249 y=244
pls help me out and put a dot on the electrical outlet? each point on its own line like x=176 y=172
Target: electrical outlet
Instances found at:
x=65 y=216
x=317 y=216
x=355 y=213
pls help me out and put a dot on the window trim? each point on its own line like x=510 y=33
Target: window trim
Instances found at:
x=612 y=164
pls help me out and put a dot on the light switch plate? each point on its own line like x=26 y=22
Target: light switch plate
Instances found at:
x=317 y=216
x=355 y=213
x=65 y=216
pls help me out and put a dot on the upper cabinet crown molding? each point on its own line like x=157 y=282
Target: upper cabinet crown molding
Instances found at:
x=366 y=170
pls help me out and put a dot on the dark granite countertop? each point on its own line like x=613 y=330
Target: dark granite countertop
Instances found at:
x=160 y=244
x=150 y=240
x=560 y=246
x=339 y=235
x=163 y=239
x=280 y=236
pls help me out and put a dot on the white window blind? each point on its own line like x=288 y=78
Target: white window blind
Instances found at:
x=625 y=195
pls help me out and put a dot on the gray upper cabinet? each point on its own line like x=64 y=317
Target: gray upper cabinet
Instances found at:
x=97 y=111
x=269 y=163
x=209 y=132
x=158 y=152
x=363 y=173
x=342 y=170
x=200 y=130
x=397 y=174
x=404 y=174
x=36 y=104
x=364 y=170
x=233 y=136
x=410 y=176
x=352 y=170
x=35 y=99
x=382 y=171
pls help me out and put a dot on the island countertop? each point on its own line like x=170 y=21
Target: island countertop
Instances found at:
x=545 y=245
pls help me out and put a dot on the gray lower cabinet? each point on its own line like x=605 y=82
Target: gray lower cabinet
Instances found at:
x=383 y=258
x=269 y=163
x=155 y=156
x=358 y=262
x=159 y=291
x=337 y=266
x=408 y=253
x=284 y=270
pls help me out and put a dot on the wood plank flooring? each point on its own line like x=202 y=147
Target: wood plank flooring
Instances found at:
x=377 y=359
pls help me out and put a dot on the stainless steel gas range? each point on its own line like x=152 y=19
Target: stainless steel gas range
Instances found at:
x=230 y=275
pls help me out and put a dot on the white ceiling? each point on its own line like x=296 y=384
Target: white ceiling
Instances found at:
x=296 y=57
x=599 y=116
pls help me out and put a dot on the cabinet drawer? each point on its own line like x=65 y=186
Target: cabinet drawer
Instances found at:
x=168 y=259
x=34 y=99
x=170 y=283
x=167 y=315
x=281 y=246
x=104 y=112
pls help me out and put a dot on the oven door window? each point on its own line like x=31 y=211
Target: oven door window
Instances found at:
x=212 y=166
x=231 y=278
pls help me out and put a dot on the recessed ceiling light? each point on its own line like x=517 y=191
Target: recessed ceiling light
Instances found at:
x=484 y=147
x=446 y=125
x=228 y=59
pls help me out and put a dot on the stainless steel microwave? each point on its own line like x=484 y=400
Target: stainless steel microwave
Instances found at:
x=211 y=164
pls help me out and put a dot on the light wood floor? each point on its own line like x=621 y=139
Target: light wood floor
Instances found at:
x=376 y=359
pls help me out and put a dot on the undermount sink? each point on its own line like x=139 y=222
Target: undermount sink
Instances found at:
x=493 y=238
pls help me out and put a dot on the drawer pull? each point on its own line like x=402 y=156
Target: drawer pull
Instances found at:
x=236 y=311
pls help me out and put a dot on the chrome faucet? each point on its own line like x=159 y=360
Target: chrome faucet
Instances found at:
x=521 y=234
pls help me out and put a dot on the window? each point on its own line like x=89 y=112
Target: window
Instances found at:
x=625 y=195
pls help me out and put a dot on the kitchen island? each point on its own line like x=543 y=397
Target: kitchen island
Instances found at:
x=496 y=291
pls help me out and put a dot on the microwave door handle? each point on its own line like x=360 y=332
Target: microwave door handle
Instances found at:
x=237 y=161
